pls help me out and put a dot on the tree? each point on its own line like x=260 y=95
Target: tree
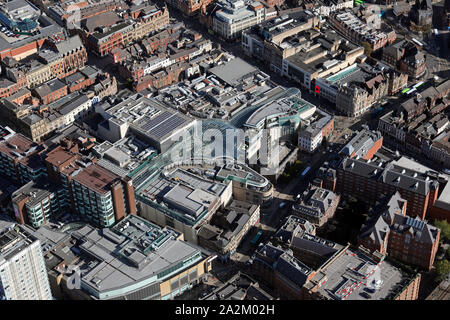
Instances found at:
x=367 y=48
x=442 y=269
x=445 y=228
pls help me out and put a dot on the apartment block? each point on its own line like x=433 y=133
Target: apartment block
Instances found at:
x=20 y=158
x=23 y=275
x=96 y=194
x=370 y=180
x=410 y=240
x=35 y=202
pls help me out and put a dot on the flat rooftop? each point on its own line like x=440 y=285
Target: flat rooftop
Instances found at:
x=131 y=255
x=12 y=241
x=186 y=195
x=345 y=277
x=36 y=191
x=149 y=117
x=233 y=71
x=96 y=178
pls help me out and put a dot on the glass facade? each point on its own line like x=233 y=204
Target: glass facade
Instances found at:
x=92 y=206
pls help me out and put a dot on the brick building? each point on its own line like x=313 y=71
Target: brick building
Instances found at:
x=364 y=144
x=189 y=7
x=406 y=57
x=389 y=230
x=316 y=205
x=372 y=180
x=356 y=30
x=51 y=91
x=162 y=78
x=312 y=268
x=138 y=25
x=57 y=60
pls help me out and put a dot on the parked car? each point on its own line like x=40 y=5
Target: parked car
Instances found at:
x=365 y=295
x=370 y=290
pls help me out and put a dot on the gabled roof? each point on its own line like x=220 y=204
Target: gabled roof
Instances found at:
x=68 y=45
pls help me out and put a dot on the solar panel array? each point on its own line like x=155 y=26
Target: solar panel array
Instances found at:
x=167 y=126
x=161 y=125
x=416 y=224
x=150 y=123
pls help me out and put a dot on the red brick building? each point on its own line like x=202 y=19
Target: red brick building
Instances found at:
x=328 y=128
x=51 y=91
x=389 y=230
x=373 y=180
x=189 y=7
x=161 y=78
x=364 y=144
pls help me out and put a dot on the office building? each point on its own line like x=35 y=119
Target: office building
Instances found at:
x=234 y=16
x=364 y=144
x=228 y=227
x=23 y=275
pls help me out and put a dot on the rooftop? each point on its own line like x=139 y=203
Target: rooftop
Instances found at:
x=352 y=271
x=233 y=71
x=133 y=254
x=13 y=239
x=361 y=143
x=96 y=178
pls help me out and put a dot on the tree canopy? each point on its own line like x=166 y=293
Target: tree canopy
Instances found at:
x=445 y=229
x=442 y=269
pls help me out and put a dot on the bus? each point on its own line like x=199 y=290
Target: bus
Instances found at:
x=305 y=172
x=417 y=42
x=418 y=84
x=411 y=91
x=405 y=90
x=256 y=238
